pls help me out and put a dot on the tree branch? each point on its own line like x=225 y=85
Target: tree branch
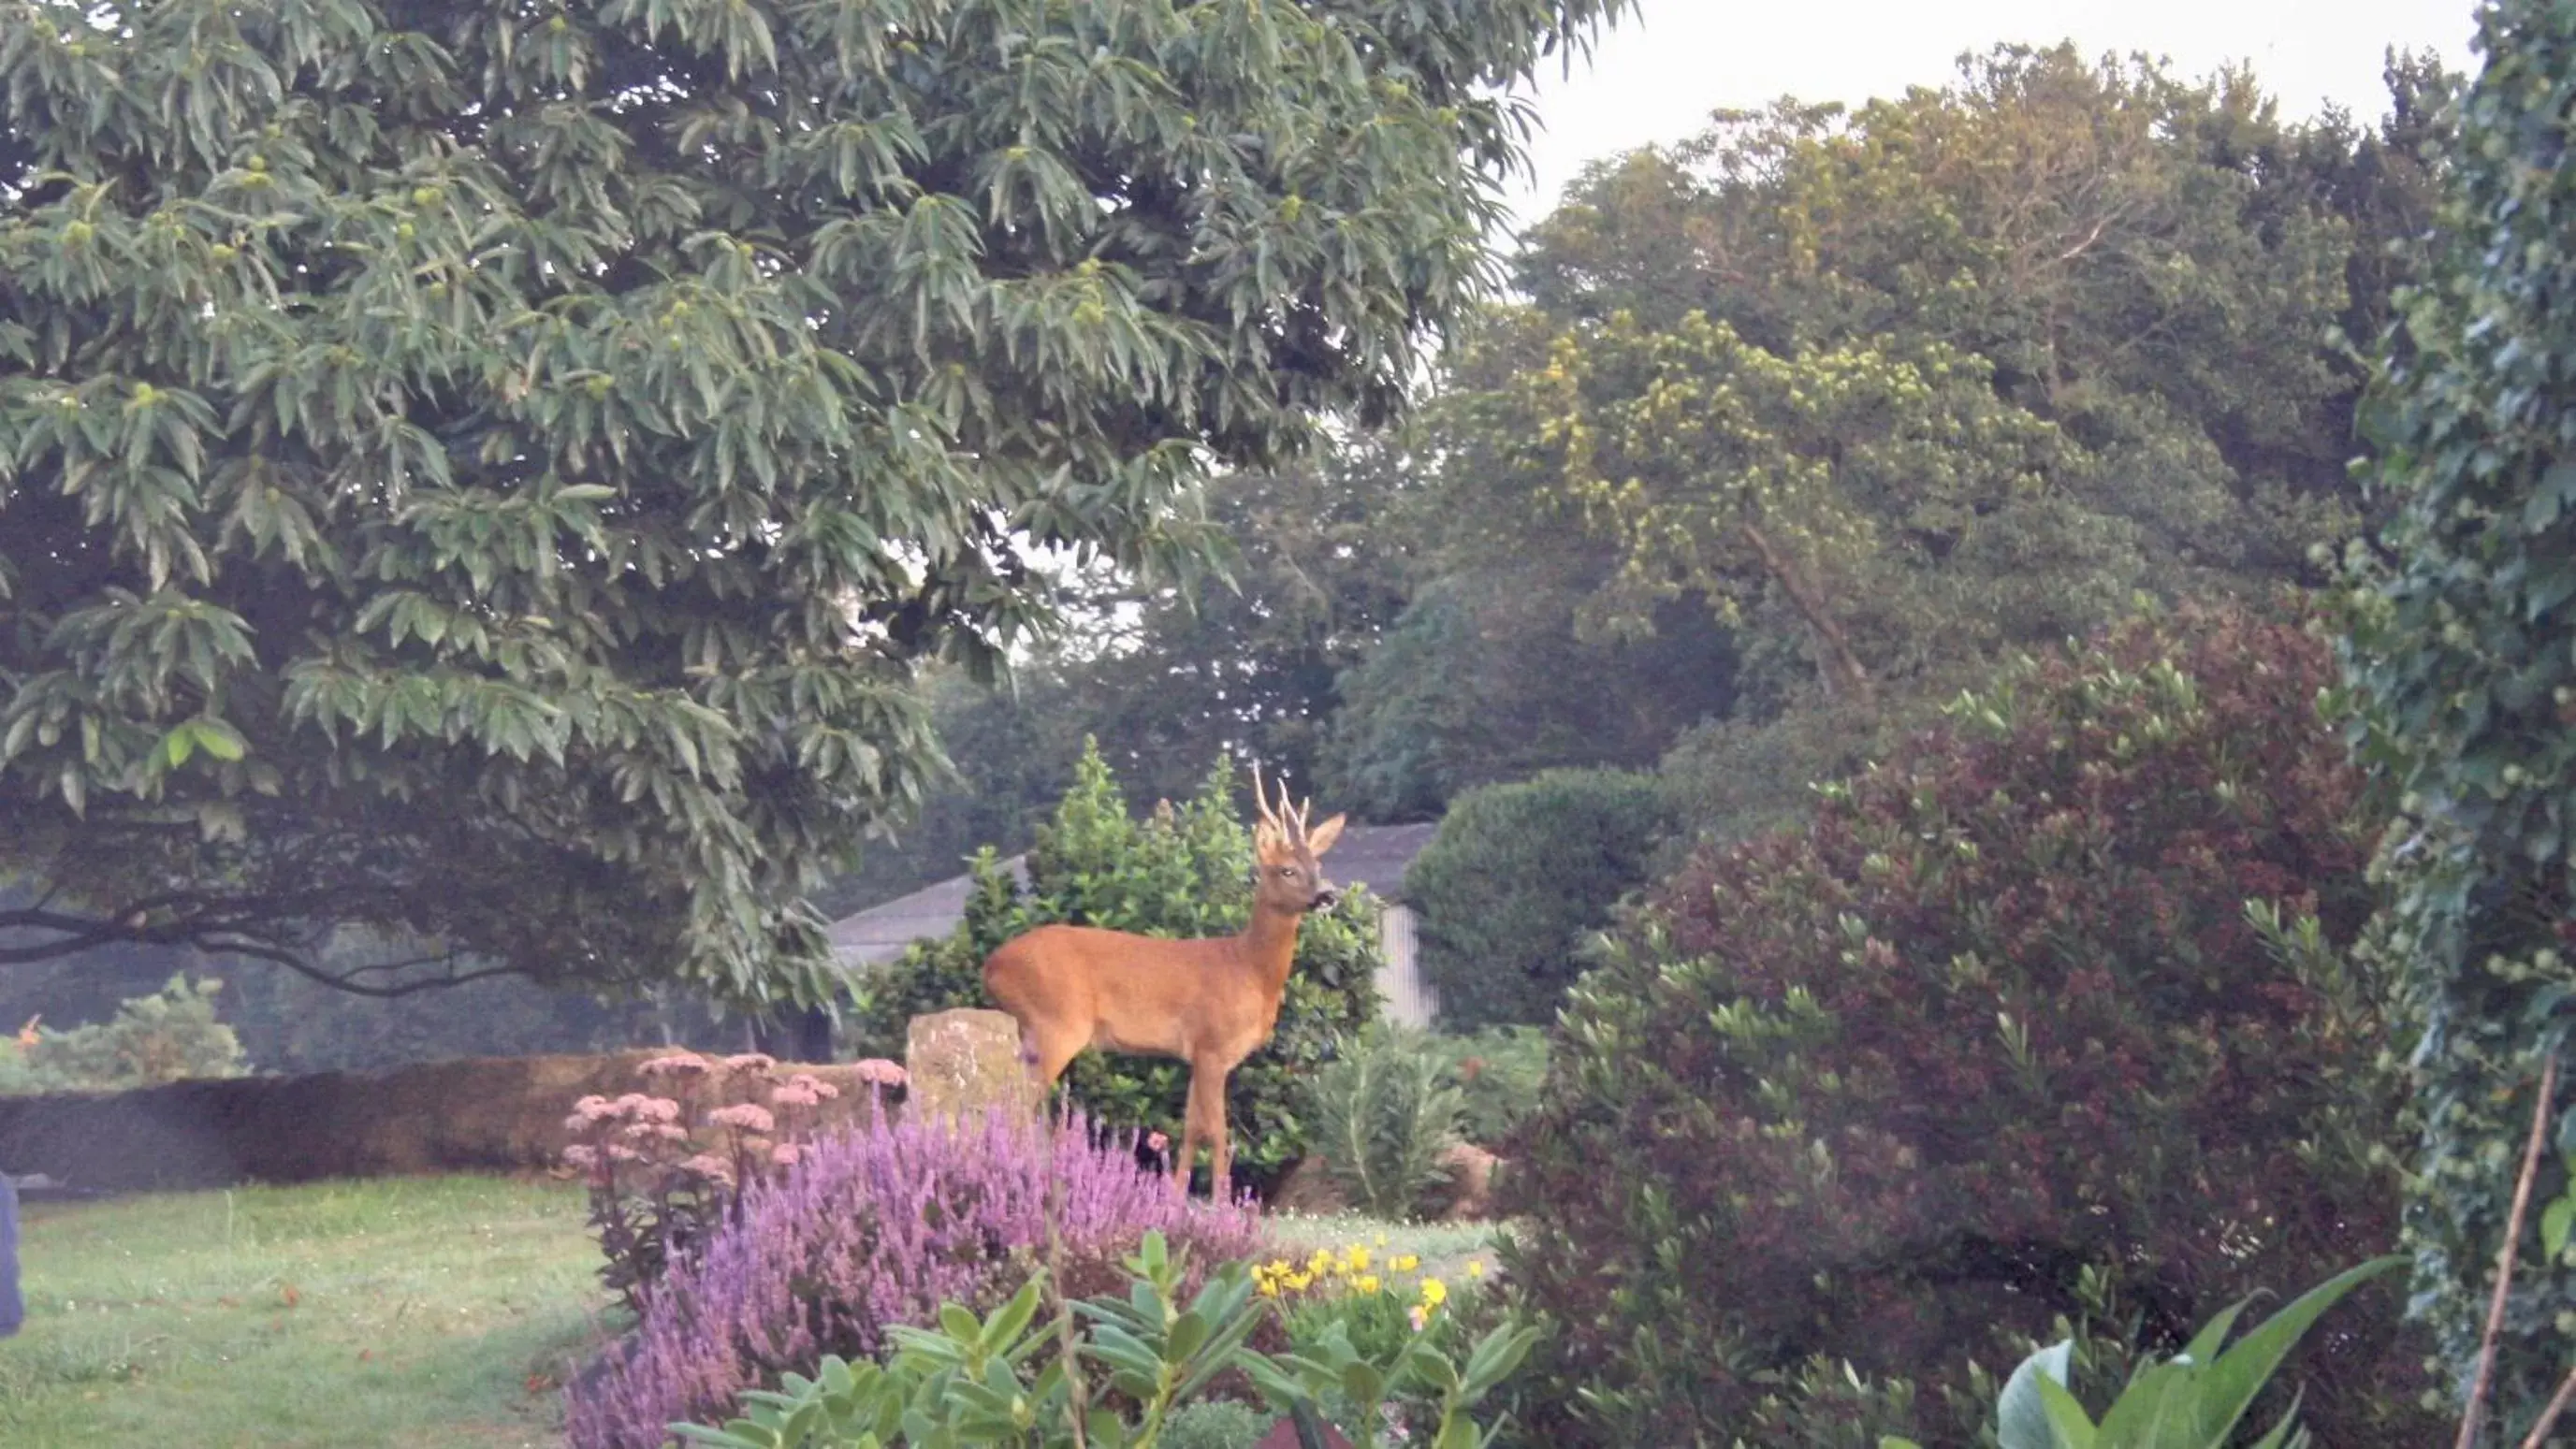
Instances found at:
x=219 y=927
x=345 y=981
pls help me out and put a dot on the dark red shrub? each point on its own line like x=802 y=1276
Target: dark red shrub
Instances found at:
x=1879 y=1089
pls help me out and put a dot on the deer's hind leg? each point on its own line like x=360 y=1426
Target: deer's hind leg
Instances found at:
x=1203 y=1123
x=1049 y=1051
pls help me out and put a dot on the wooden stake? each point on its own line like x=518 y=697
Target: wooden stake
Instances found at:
x=2549 y=1416
x=2504 y=1258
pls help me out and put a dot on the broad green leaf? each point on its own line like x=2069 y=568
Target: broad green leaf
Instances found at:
x=2231 y=1383
x=2021 y=1414
x=2069 y=1425
x=2158 y=1409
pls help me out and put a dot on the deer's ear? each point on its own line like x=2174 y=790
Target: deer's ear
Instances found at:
x=1321 y=838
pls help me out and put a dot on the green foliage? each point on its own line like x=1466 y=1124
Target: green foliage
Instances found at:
x=1489 y=676
x=492 y=477
x=1182 y=871
x=1004 y=1379
x=169 y=1036
x=2462 y=665
x=1377 y=1304
x=1896 y=391
x=1518 y=876
x=1747 y=474
x=2066 y=982
x=1733 y=779
x=1500 y=1073
x=1216 y=1424
x=2191 y=1401
x=1384 y=1111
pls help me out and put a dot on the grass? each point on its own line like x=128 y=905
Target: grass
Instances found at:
x=399 y=1313
x=1444 y=1248
x=403 y=1313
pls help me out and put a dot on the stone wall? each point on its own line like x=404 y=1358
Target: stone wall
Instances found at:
x=484 y=1114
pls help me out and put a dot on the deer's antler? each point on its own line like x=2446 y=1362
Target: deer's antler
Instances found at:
x=1289 y=818
x=1261 y=798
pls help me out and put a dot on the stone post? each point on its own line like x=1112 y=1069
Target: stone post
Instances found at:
x=964 y=1062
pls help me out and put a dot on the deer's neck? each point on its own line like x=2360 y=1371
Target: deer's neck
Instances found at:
x=1268 y=946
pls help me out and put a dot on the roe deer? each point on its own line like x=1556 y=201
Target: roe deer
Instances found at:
x=1210 y=1002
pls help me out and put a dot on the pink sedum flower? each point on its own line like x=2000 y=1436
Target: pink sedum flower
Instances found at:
x=748 y=1116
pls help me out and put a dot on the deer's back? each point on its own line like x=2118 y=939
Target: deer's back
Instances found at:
x=1134 y=993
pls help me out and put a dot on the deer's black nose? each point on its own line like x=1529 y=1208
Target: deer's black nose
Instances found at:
x=1324 y=899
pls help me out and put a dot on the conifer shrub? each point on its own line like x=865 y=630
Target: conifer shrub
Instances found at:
x=171 y=1035
x=1384 y=1115
x=2060 y=990
x=1181 y=871
x=877 y=1227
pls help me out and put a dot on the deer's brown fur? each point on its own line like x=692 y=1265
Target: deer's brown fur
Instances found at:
x=1209 y=1002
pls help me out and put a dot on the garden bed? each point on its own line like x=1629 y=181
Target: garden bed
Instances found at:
x=397 y=1313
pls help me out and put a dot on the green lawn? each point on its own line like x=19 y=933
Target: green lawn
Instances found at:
x=1445 y=1248
x=404 y=1312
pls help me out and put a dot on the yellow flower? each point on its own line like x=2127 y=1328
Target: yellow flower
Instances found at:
x=1404 y=1264
x=1367 y=1283
x=1475 y=1268
x=1434 y=1292
x=1269 y=1287
x=1358 y=1258
x=1319 y=1262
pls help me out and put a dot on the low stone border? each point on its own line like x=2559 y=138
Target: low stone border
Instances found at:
x=479 y=1114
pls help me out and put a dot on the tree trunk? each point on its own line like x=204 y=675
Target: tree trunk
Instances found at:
x=1843 y=676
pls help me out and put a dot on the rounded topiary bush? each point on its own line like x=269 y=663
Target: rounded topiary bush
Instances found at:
x=877 y=1227
x=1897 y=1088
x=1518 y=876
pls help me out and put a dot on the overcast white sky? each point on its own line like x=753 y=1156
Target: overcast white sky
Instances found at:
x=1658 y=76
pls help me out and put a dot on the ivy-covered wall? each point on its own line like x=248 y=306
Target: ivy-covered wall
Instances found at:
x=2462 y=662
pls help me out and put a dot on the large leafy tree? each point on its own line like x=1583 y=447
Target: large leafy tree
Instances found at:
x=490 y=474
x=1252 y=666
x=2462 y=658
x=1958 y=371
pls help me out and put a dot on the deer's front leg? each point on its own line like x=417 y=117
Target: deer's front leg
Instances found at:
x=1221 y=1143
